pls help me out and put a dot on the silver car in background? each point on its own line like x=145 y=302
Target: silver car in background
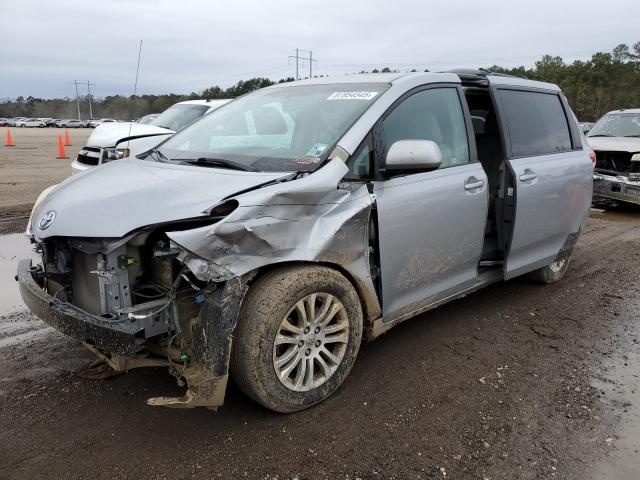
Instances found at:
x=267 y=239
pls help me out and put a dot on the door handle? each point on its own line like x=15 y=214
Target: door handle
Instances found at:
x=473 y=184
x=525 y=177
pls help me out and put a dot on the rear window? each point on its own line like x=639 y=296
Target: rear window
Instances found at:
x=536 y=122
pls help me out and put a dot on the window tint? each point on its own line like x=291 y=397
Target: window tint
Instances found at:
x=435 y=115
x=536 y=122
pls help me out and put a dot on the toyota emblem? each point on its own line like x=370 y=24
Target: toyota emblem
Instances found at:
x=47 y=219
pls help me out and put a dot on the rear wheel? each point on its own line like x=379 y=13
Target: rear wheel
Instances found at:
x=554 y=271
x=297 y=338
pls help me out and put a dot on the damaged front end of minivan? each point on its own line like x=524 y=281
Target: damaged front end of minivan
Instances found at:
x=169 y=293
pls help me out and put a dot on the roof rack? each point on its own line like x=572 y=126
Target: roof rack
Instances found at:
x=480 y=72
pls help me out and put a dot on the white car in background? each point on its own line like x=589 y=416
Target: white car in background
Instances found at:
x=114 y=141
x=615 y=139
x=99 y=121
x=71 y=123
x=30 y=122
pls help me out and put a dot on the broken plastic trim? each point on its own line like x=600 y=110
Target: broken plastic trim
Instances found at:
x=211 y=338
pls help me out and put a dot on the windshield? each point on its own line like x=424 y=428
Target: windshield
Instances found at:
x=179 y=116
x=617 y=125
x=147 y=118
x=276 y=129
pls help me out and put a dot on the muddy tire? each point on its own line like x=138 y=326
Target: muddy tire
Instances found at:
x=297 y=337
x=554 y=271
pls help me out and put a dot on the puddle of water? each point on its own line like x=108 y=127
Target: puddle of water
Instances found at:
x=13 y=248
x=621 y=383
x=615 y=215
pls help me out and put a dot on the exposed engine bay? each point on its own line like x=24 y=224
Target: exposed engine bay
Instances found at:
x=146 y=300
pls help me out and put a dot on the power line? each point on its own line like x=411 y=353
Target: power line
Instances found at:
x=297 y=58
x=458 y=61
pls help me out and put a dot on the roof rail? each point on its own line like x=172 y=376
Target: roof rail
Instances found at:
x=480 y=72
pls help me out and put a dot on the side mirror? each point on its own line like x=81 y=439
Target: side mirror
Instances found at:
x=413 y=155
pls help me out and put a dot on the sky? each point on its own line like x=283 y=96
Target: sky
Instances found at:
x=189 y=45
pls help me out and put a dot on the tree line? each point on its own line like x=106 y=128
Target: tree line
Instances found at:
x=608 y=81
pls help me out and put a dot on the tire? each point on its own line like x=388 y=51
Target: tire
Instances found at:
x=23 y=126
x=269 y=304
x=63 y=126
x=553 y=272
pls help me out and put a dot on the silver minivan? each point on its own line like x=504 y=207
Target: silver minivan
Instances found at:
x=267 y=239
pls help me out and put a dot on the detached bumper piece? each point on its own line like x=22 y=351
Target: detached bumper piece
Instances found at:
x=616 y=188
x=120 y=337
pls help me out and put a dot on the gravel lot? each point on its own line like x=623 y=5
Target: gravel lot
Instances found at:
x=516 y=381
x=30 y=167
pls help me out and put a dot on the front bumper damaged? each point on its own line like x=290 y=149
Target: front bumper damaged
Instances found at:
x=617 y=187
x=116 y=337
x=119 y=343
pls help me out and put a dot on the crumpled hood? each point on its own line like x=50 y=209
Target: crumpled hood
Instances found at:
x=113 y=200
x=615 y=144
x=109 y=134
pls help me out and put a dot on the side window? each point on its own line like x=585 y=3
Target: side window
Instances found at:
x=360 y=164
x=436 y=115
x=536 y=122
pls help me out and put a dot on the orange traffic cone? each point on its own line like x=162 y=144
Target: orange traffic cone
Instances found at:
x=9 y=139
x=61 y=152
x=67 y=140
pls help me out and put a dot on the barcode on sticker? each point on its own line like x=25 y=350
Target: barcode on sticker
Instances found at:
x=352 y=96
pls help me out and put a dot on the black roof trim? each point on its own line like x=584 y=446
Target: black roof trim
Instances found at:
x=480 y=72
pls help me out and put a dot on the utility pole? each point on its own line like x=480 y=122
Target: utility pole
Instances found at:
x=75 y=82
x=89 y=90
x=298 y=57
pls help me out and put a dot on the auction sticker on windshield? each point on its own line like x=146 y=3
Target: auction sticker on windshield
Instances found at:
x=352 y=95
x=317 y=150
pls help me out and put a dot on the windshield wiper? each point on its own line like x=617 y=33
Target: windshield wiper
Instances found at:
x=600 y=135
x=161 y=156
x=221 y=162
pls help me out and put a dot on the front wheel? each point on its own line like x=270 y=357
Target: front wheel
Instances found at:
x=23 y=126
x=554 y=271
x=298 y=335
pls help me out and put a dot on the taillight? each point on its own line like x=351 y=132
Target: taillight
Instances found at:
x=592 y=156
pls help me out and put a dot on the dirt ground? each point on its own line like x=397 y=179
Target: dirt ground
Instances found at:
x=30 y=167
x=516 y=381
